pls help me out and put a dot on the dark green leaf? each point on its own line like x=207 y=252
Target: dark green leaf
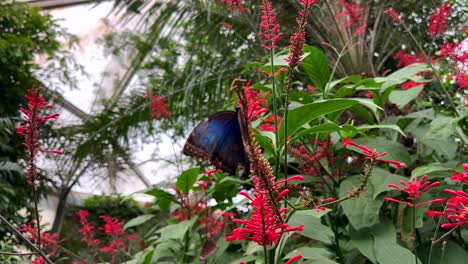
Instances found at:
x=187 y=179
x=363 y=211
x=422 y=170
x=138 y=220
x=316 y=66
x=313 y=228
x=403 y=97
x=302 y=115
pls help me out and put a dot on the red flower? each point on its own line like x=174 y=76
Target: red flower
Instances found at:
x=414 y=188
x=86 y=229
x=159 y=107
x=457 y=209
x=256 y=102
x=298 y=38
x=438 y=21
x=405 y=59
x=353 y=12
x=461 y=79
x=372 y=154
x=269 y=122
x=293 y=259
x=112 y=226
x=226 y=25
x=38 y=260
x=411 y=84
x=394 y=15
x=47 y=239
x=463 y=176
x=264 y=226
x=112 y=247
x=270 y=30
x=235 y=5
x=30 y=131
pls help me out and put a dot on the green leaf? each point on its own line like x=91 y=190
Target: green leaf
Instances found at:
x=395 y=151
x=266 y=143
x=387 y=250
x=315 y=253
x=316 y=65
x=302 y=115
x=381 y=178
x=403 y=97
x=364 y=241
x=403 y=75
x=176 y=231
x=392 y=127
x=163 y=198
x=313 y=228
x=422 y=170
x=452 y=254
x=328 y=127
x=138 y=220
x=187 y=179
x=441 y=128
x=379 y=244
x=363 y=211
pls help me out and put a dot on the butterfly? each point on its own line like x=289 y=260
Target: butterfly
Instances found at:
x=219 y=139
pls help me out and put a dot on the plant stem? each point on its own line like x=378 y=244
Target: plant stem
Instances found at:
x=413 y=226
x=265 y=255
x=17 y=253
x=444 y=235
x=275 y=111
x=428 y=62
x=36 y=209
x=25 y=239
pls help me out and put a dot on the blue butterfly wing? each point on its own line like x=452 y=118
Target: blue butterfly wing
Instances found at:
x=218 y=139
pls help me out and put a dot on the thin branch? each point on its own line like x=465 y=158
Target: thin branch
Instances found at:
x=25 y=239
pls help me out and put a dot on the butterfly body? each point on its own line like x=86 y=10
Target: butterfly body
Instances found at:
x=219 y=139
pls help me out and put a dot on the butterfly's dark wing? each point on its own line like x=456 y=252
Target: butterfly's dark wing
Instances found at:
x=218 y=139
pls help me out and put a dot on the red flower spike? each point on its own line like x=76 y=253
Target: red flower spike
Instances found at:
x=264 y=226
x=256 y=102
x=438 y=21
x=294 y=259
x=394 y=16
x=270 y=30
x=353 y=11
x=112 y=226
x=298 y=38
x=30 y=131
x=457 y=209
x=159 y=107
